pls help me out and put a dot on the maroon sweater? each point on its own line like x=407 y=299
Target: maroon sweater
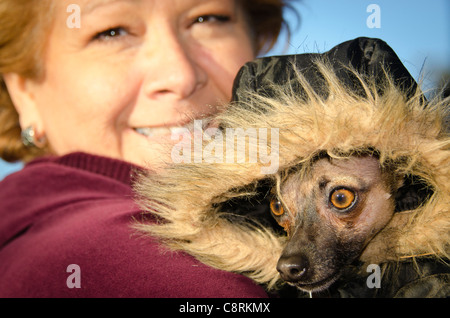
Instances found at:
x=78 y=209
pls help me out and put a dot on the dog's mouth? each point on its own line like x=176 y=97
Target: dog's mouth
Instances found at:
x=319 y=285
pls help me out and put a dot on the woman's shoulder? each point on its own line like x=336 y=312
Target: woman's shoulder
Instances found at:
x=64 y=227
x=46 y=187
x=95 y=252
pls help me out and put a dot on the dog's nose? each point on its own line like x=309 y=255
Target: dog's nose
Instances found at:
x=292 y=268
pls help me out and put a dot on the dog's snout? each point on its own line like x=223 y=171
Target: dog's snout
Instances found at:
x=292 y=268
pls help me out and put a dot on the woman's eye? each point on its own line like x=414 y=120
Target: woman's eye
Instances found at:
x=276 y=207
x=342 y=198
x=212 y=18
x=110 y=34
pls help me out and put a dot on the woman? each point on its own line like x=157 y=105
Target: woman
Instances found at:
x=90 y=93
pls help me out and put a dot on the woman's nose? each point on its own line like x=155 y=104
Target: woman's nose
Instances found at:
x=174 y=70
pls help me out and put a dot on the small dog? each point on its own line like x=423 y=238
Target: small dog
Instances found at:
x=330 y=214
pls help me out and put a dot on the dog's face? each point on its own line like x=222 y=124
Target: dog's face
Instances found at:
x=330 y=215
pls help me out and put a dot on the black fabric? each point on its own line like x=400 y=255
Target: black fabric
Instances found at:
x=424 y=278
x=368 y=56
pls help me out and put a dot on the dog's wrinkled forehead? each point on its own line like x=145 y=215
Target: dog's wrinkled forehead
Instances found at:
x=356 y=171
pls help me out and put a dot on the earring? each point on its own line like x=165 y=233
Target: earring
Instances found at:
x=29 y=138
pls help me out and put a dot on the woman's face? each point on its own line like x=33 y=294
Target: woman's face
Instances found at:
x=134 y=70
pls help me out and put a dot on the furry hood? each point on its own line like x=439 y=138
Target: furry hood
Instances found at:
x=355 y=98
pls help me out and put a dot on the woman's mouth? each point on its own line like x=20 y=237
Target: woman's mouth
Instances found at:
x=159 y=131
x=195 y=125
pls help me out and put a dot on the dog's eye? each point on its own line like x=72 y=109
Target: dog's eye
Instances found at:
x=276 y=207
x=342 y=199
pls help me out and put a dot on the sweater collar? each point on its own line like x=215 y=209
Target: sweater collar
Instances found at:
x=113 y=168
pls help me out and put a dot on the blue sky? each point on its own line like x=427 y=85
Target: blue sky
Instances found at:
x=418 y=30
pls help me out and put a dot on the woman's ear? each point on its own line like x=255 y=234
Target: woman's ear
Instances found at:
x=21 y=94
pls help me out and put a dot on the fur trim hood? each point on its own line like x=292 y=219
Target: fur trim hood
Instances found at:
x=356 y=98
